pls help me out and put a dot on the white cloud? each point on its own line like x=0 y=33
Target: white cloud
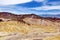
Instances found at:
x=8 y=2
x=55 y=5
x=46 y=8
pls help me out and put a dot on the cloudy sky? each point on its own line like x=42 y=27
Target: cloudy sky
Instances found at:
x=30 y=6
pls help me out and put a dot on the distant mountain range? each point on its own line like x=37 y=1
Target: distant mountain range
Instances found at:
x=51 y=15
x=7 y=15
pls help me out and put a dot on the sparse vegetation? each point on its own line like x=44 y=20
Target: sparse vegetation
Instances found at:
x=30 y=26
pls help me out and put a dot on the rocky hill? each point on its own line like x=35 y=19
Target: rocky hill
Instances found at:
x=28 y=27
x=27 y=18
x=11 y=16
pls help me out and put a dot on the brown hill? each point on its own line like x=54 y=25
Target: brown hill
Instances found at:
x=15 y=27
x=7 y=15
x=27 y=18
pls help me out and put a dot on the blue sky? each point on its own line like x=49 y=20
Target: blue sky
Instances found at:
x=30 y=6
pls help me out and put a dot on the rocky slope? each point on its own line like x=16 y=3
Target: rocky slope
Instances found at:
x=28 y=27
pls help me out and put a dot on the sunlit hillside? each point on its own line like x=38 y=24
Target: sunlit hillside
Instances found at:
x=28 y=27
x=31 y=30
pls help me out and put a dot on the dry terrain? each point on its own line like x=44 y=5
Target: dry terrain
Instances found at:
x=28 y=27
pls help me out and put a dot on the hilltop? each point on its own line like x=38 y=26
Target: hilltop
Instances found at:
x=28 y=26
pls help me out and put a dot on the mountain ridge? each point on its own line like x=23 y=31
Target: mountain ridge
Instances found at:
x=28 y=26
x=22 y=16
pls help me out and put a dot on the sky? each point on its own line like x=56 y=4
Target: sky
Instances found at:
x=30 y=6
x=9 y=2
